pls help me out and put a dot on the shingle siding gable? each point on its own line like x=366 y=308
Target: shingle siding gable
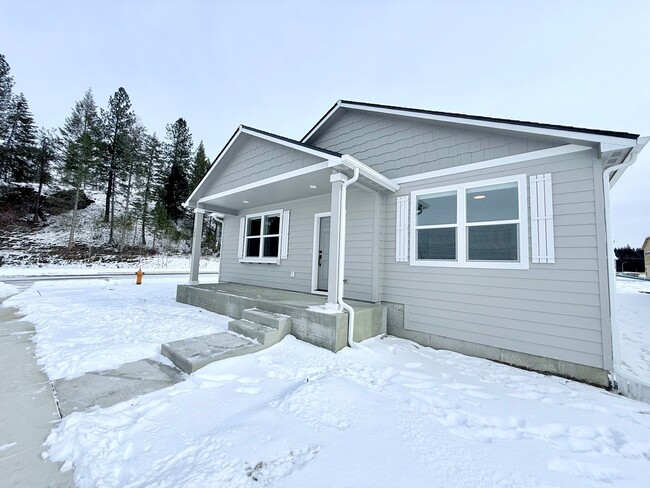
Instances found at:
x=397 y=146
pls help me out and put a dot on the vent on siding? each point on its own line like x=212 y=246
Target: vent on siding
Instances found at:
x=402 y=229
x=541 y=219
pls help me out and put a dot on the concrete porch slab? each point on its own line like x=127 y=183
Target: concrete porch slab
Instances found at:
x=107 y=388
x=194 y=353
x=327 y=330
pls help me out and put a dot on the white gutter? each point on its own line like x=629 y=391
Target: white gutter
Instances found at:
x=343 y=225
x=611 y=259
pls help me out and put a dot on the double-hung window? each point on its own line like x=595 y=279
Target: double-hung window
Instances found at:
x=480 y=224
x=262 y=237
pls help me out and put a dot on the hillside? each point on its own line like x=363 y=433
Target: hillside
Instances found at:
x=25 y=244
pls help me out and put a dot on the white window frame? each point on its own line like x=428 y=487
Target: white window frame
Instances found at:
x=262 y=236
x=462 y=225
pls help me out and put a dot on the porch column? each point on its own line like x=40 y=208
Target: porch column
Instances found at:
x=196 y=246
x=337 y=180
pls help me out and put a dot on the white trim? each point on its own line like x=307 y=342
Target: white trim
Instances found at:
x=238 y=132
x=240 y=244
x=402 y=229
x=262 y=236
x=509 y=126
x=267 y=181
x=490 y=163
x=329 y=113
x=199 y=210
x=461 y=225
x=284 y=235
x=314 y=252
x=283 y=142
x=366 y=171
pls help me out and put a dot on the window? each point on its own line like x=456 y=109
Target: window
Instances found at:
x=482 y=224
x=262 y=237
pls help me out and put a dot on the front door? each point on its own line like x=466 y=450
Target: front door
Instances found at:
x=323 y=253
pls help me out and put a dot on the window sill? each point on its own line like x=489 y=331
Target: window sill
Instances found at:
x=472 y=264
x=261 y=260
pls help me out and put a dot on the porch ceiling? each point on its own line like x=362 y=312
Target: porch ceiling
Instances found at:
x=283 y=188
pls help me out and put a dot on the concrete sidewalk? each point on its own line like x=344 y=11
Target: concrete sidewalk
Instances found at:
x=28 y=411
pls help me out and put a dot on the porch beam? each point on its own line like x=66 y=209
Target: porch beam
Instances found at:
x=337 y=180
x=196 y=245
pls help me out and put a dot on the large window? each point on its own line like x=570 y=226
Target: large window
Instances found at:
x=262 y=237
x=482 y=224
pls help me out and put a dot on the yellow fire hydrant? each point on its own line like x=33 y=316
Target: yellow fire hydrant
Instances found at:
x=138 y=276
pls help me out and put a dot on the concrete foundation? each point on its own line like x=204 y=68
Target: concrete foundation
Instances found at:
x=327 y=330
x=586 y=374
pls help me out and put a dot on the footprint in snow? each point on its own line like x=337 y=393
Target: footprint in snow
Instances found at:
x=580 y=469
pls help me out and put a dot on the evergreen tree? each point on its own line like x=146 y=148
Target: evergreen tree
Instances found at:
x=131 y=170
x=118 y=121
x=6 y=85
x=200 y=167
x=45 y=154
x=81 y=134
x=152 y=168
x=178 y=155
x=16 y=158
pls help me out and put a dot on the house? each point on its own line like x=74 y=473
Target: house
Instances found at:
x=646 y=255
x=480 y=235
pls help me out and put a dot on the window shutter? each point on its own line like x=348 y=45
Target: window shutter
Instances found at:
x=402 y=230
x=240 y=249
x=541 y=219
x=284 y=238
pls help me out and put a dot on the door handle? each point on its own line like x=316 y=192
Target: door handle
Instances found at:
x=320 y=258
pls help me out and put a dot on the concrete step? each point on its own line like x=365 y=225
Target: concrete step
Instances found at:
x=270 y=319
x=263 y=334
x=191 y=354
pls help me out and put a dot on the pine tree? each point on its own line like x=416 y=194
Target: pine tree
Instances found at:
x=45 y=154
x=6 y=85
x=152 y=168
x=17 y=156
x=200 y=167
x=81 y=134
x=131 y=168
x=118 y=120
x=178 y=155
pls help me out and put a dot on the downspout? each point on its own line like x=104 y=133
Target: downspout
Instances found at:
x=343 y=224
x=611 y=266
x=222 y=221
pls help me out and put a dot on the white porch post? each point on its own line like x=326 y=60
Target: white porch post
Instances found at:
x=196 y=246
x=337 y=180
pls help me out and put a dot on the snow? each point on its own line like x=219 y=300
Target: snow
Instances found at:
x=90 y=325
x=387 y=413
x=7 y=290
x=149 y=264
x=633 y=318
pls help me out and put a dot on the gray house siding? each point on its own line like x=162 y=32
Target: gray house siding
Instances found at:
x=550 y=310
x=360 y=269
x=252 y=159
x=397 y=146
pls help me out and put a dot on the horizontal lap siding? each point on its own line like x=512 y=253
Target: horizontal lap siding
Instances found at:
x=399 y=146
x=551 y=310
x=359 y=265
x=254 y=159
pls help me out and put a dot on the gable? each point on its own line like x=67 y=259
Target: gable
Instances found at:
x=399 y=146
x=251 y=159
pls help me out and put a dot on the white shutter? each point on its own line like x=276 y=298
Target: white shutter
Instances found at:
x=284 y=237
x=541 y=219
x=240 y=249
x=402 y=230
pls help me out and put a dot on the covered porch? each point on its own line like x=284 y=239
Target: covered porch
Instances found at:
x=311 y=321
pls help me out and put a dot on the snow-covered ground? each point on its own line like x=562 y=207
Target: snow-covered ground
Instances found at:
x=633 y=318
x=391 y=413
x=91 y=325
x=150 y=264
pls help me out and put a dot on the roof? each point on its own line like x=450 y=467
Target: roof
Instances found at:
x=291 y=141
x=524 y=123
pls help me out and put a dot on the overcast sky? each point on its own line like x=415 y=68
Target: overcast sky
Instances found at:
x=280 y=66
